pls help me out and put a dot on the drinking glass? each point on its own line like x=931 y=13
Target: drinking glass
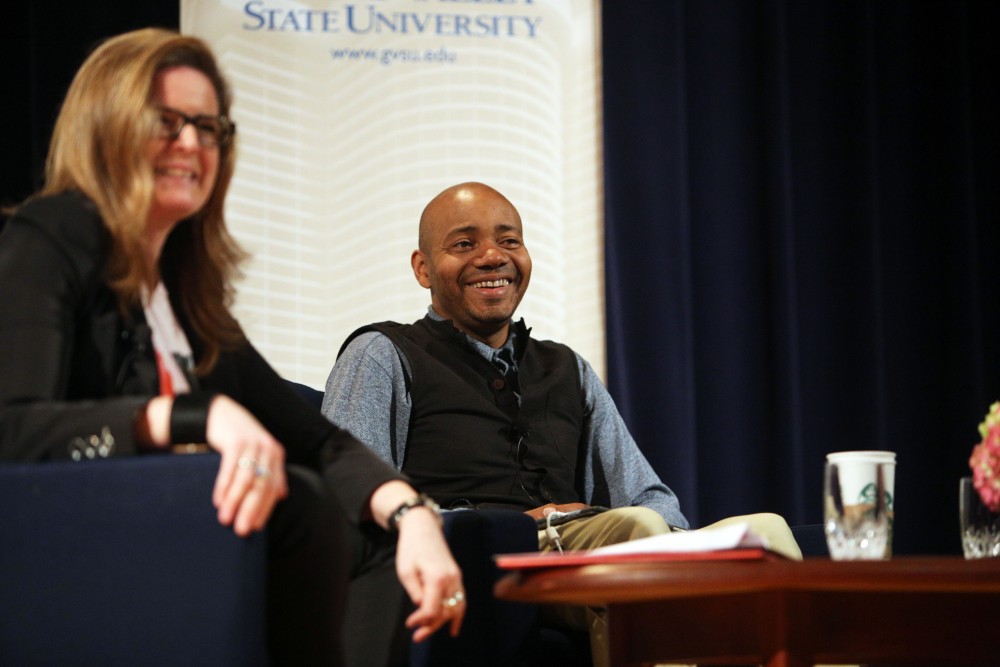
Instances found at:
x=980 y=525
x=857 y=520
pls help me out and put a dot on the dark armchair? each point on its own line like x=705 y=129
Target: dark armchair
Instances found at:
x=495 y=633
x=122 y=562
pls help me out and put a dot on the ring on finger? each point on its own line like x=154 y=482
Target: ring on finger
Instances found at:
x=454 y=600
x=261 y=471
x=246 y=463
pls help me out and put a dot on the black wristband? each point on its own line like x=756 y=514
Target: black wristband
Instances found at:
x=189 y=417
x=420 y=500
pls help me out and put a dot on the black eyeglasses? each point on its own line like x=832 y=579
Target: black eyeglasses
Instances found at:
x=212 y=130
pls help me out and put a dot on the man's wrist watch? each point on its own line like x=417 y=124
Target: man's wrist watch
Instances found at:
x=420 y=500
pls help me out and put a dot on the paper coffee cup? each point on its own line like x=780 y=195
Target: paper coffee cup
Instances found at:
x=857 y=474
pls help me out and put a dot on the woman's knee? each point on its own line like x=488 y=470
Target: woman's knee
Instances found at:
x=309 y=513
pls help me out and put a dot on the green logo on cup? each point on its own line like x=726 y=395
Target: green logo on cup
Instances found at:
x=867 y=496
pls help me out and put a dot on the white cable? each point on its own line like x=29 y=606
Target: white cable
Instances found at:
x=551 y=532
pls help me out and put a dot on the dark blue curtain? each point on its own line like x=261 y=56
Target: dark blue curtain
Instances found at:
x=801 y=225
x=801 y=220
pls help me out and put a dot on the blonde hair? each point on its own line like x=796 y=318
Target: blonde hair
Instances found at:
x=99 y=148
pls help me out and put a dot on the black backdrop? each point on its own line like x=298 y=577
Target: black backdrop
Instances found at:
x=801 y=210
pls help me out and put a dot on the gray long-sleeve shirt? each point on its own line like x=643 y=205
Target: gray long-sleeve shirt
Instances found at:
x=366 y=394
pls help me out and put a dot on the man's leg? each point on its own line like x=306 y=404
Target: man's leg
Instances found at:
x=618 y=525
x=631 y=523
x=611 y=527
x=771 y=527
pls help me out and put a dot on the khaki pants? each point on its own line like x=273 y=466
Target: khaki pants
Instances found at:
x=631 y=523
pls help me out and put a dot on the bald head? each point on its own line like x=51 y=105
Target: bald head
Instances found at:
x=463 y=195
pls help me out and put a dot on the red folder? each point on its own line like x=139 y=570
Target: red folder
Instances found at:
x=534 y=559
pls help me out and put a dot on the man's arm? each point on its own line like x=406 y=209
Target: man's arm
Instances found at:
x=366 y=395
x=618 y=470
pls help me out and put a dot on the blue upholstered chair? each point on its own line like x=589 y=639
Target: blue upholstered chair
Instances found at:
x=494 y=632
x=122 y=562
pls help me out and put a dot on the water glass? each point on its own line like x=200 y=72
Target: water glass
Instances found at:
x=856 y=508
x=980 y=525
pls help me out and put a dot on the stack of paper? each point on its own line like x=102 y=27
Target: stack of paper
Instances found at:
x=732 y=542
x=732 y=536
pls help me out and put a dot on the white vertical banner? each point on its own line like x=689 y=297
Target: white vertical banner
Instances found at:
x=352 y=115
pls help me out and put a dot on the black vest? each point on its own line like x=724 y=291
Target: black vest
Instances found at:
x=470 y=441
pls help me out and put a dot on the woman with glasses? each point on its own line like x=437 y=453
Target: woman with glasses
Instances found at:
x=116 y=338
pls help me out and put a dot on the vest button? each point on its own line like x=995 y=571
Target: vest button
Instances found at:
x=498 y=384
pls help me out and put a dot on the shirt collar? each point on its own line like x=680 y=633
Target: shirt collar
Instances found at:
x=502 y=357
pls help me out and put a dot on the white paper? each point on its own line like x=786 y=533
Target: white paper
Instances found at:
x=733 y=536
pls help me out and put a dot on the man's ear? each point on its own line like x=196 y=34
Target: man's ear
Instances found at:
x=419 y=263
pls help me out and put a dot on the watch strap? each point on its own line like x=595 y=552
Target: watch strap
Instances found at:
x=420 y=500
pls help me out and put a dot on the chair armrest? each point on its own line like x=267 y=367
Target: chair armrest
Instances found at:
x=494 y=632
x=121 y=562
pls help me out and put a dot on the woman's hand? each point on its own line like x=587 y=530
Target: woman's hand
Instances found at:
x=429 y=574
x=251 y=475
x=424 y=564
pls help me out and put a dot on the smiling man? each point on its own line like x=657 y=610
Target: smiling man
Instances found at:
x=478 y=413
x=473 y=409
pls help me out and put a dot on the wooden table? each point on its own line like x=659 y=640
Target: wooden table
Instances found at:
x=930 y=611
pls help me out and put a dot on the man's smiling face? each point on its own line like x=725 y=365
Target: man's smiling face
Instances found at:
x=473 y=259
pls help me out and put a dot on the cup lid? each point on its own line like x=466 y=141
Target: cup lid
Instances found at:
x=863 y=455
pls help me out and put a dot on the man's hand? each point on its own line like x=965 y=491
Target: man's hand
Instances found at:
x=541 y=512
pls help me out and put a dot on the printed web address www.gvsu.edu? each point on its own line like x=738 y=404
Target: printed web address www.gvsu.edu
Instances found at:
x=390 y=56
